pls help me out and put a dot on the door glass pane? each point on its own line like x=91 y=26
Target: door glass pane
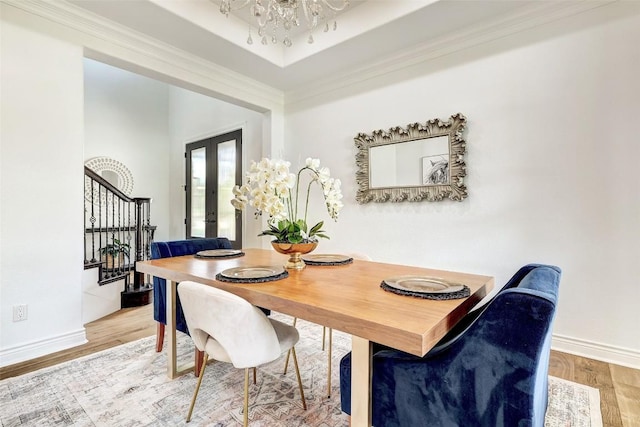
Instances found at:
x=198 y=186
x=226 y=181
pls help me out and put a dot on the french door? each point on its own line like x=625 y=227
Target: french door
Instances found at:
x=214 y=166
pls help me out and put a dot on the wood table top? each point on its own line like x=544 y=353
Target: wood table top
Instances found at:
x=346 y=297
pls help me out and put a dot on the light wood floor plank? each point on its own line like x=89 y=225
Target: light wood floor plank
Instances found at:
x=597 y=374
x=627 y=387
x=123 y=326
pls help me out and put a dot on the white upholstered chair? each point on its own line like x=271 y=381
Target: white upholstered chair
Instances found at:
x=354 y=255
x=229 y=329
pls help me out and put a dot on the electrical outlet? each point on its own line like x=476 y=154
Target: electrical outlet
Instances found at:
x=19 y=312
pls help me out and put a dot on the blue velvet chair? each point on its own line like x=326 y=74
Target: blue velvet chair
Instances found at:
x=491 y=369
x=171 y=249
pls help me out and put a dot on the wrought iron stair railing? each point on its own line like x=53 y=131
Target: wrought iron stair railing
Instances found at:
x=118 y=232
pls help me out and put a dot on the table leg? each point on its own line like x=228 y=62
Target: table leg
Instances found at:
x=172 y=367
x=361 y=359
x=173 y=371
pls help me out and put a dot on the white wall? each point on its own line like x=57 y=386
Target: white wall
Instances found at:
x=194 y=117
x=127 y=119
x=551 y=158
x=41 y=193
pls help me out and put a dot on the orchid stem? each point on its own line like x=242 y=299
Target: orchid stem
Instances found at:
x=306 y=205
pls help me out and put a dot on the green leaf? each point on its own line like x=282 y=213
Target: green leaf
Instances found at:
x=302 y=225
x=316 y=228
x=295 y=238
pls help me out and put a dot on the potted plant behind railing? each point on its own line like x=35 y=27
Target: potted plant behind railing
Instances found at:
x=116 y=252
x=271 y=188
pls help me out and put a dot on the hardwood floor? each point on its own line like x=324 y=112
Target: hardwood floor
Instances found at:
x=121 y=327
x=619 y=386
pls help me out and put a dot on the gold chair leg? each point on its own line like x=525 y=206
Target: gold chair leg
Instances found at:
x=286 y=361
x=246 y=397
x=295 y=364
x=324 y=334
x=329 y=363
x=195 y=393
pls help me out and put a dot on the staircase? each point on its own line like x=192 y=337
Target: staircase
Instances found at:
x=118 y=233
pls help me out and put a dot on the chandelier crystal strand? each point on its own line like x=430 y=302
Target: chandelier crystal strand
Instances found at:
x=269 y=15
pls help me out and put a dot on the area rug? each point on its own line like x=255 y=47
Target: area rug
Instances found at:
x=128 y=386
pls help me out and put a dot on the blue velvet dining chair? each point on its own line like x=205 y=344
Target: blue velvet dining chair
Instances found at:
x=491 y=369
x=171 y=249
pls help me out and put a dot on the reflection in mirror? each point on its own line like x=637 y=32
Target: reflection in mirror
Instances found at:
x=413 y=163
x=419 y=162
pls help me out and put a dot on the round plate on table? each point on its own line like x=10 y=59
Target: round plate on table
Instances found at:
x=326 y=258
x=218 y=253
x=258 y=272
x=423 y=284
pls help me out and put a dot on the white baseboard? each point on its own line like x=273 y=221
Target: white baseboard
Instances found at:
x=592 y=350
x=34 y=349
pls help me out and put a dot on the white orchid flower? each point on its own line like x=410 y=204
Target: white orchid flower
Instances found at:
x=313 y=164
x=236 y=203
x=271 y=188
x=237 y=191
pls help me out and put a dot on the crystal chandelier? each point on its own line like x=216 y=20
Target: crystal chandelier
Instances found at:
x=274 y=16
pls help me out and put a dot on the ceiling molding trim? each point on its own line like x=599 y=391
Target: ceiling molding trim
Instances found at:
x=207 y=16
x=522 y=20
x=353 y=23
x=230 y=84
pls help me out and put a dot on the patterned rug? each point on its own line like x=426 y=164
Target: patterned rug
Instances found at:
x=128 y=386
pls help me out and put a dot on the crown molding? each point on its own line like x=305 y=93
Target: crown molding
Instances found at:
x=105 y=39
x=526 y=18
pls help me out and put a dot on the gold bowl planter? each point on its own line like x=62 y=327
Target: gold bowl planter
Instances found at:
x=295 y=251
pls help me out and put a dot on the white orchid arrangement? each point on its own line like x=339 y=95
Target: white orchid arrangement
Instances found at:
x=271 y=188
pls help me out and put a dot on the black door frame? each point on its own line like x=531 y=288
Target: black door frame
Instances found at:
x=211 y=199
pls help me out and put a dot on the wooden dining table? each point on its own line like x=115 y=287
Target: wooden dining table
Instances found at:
x=346 y=297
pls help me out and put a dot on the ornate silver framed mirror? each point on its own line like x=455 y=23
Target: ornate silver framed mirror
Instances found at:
x=419 y=162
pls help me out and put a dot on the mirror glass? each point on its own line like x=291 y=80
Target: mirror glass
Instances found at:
x=412 y=163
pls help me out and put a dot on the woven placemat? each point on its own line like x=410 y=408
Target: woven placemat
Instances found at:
x=221 y=256
x=465 y=292
x=280 y=276
x=328 y=263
